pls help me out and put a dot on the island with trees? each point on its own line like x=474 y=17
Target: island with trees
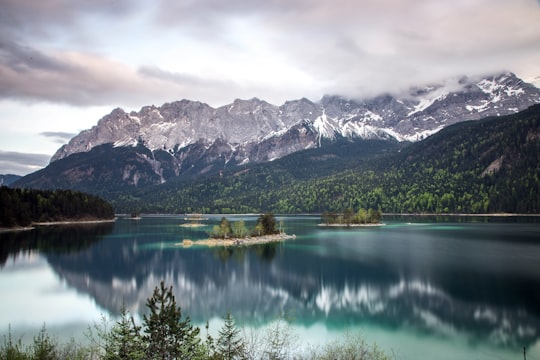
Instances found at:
x=266 y=230
x=349 y=217
x=22 y=208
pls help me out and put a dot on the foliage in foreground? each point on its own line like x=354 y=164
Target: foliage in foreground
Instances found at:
x=165 y=334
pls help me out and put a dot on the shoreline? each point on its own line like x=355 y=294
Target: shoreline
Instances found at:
x=73 y=222
x=55 y=223
x=351 y=225
x=248 y=241
x=463 y=214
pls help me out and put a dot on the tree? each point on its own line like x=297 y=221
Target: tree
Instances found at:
x=258 y=230
x=12 y=351
x=230 y=344
x=361 y=216
x=239 y=229
x=124 y=339
x=166 y=335
x=348 y=215
x=43 y=347
x=225 y=228
x=268 y=223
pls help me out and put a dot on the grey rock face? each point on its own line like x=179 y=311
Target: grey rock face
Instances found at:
x=196 y=135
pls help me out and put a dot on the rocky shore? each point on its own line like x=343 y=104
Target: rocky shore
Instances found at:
x=247 y=241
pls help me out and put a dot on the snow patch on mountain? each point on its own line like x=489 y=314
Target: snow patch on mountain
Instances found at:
x=254 y=130
x=324 y=127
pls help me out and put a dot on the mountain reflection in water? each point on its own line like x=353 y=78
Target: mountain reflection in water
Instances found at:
x=474 y=278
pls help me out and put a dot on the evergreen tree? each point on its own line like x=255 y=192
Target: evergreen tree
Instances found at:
x=124 y=340
x=166 y=335
x=43 y=347
x=230 y=344
x=12 y=351
x=268 y=223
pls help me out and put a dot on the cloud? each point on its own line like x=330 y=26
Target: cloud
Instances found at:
x=42 y=18
x=214 y=51
x=58 y=136
x=18 y=163
x=74 y=78
x=375 y=46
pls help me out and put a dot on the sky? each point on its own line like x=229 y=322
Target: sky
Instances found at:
x=64 y=64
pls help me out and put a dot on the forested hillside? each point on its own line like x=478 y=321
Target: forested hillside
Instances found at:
x=484 y=166
x=22 y=207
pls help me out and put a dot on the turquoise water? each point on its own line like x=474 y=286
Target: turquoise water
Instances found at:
x=453 y=288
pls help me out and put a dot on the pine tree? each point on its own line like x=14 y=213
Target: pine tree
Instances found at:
x=268 y=224
x=43 y=347
x=230 y=345
x=124 y=340
x=166 y=335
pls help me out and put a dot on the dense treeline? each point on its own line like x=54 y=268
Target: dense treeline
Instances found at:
x=485 y=166
x=22 y=207
x=166 y=334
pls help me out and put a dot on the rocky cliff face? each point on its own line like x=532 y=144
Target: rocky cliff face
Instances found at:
x=246 y=124
x=190 y=137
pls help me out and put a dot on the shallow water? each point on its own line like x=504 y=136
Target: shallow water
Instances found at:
x=448 y=287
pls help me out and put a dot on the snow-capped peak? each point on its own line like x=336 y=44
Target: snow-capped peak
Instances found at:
x=256 y=130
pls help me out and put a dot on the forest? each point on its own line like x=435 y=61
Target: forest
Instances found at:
x=22 y=207
x=485 y=166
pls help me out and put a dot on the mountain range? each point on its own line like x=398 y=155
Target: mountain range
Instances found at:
x=187 y=140
x=8 y=179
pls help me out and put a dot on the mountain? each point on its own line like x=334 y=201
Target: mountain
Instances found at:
x=486 y=166
x=534 y=81
x=8 y=179
x=187 y=139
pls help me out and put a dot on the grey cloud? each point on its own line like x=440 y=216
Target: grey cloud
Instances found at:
x=348 y=47
x=160 y=74
x=58 y=136
x=216 y=92
x=21 y=163
x=85 y=79
x=23 y=59
x=39 y=18
x=371 y=46
x=69 y=78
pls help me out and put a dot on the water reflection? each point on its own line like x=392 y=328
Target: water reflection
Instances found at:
x=52 y=239
x=441 y=279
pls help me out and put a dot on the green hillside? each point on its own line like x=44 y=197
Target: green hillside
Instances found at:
x=485 y=166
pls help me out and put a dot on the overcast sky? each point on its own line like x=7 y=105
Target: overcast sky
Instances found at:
x=66 y=63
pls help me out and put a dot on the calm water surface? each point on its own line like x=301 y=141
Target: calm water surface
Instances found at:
x=453 y=288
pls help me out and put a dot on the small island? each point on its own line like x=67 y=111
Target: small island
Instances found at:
x=194 y=220
x=237 y=234
x=350 y=218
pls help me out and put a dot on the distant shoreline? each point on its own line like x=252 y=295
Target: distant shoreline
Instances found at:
x=54 y=223
x=72 y=222
x=351 y=225
x=248 y=241
x=463 y=215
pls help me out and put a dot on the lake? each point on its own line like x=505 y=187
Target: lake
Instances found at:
x=419 y=287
